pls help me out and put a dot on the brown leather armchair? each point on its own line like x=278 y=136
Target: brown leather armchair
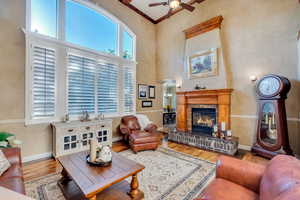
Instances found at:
x=242 y=180
x=13 y=178
x=147 y=139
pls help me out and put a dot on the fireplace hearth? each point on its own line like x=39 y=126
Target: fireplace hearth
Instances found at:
x=197 y=113
x=204 y=120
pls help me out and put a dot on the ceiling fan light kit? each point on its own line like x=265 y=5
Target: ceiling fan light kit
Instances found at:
x=174 y=4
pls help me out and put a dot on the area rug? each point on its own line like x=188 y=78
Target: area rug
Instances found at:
x=168 y=175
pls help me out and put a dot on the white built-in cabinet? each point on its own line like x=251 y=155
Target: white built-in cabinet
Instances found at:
x=74 y=136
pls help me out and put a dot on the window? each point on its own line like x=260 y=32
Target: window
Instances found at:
x=108 y=90
x=90 y=29
x=88 y=54
x=43 y=83
x=81 y=85
x=44 y=17
x=127 y=46
x=86 y=78
x=129 y=88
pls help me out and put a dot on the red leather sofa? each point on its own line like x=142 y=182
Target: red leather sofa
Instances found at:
x=242 y=180
x=13 y=178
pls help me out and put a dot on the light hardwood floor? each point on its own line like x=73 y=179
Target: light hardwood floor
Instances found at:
x=44 y=167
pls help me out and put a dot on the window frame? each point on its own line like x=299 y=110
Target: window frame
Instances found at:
x=61 y=27
x=62 y=50
x=29 y=80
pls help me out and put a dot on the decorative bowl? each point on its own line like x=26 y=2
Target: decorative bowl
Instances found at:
x=98 y=164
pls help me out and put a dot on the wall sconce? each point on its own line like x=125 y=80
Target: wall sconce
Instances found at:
x=253 y=78
x=178 y=83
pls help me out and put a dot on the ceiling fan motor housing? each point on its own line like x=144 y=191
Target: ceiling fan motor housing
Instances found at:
x=174 y=3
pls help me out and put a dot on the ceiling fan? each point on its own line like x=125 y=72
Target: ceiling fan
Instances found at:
x=173 y=4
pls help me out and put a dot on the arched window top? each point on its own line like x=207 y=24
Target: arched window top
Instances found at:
x=82 y=24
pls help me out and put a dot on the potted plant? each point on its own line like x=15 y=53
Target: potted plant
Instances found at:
x=8 y=140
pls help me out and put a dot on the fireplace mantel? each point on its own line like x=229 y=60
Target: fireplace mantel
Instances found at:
x=219 y=97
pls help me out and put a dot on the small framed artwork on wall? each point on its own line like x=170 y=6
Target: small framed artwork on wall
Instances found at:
x=151 y=92
x=146 y=104
x=142 y=91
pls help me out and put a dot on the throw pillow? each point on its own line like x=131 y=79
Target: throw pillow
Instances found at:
x=143 y=120
x=4 y=163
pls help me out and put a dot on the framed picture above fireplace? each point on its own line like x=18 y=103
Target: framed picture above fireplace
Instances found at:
x=204 y=64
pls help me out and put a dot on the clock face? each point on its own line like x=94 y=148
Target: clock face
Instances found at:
x=269 y=86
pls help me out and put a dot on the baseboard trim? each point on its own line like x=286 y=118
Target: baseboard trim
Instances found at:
x=245 y=147
x=36 y=157
x=49 y=154
x=117 y=139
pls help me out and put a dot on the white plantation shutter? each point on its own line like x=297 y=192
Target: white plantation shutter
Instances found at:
x=129 y=85
x=43 y=82
x=107 y=88
x=81 y=85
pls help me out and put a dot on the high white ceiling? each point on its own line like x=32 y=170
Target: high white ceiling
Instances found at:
x=153 y=12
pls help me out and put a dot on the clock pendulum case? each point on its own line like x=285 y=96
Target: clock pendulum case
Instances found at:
x=272 y=132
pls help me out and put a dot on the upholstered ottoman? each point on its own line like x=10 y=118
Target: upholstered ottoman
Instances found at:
x=142 y=140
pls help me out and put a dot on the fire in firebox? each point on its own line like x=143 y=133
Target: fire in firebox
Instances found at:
x=203 y=120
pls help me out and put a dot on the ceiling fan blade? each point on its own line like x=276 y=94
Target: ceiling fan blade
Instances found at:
x=158 y=4
x=169 y=13
x=199 y=1
x=187 y=7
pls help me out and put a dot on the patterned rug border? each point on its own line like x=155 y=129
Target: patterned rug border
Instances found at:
x=41 y=190
x=42 y=177
x=197 y=189
x=185 y=154
x=200 y=186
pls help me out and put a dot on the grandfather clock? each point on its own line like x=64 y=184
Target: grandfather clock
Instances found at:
x=272 y=132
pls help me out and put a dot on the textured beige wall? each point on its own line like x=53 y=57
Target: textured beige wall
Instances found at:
x=258 y=37
x=37 y=139
x=202 y=43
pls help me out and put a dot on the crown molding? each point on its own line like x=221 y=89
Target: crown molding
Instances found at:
x=177 y=10
x=204 y=27
x=135 y=9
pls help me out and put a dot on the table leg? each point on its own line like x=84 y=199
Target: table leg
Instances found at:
x=65 y=176
x=134 y=186
x=93 y=198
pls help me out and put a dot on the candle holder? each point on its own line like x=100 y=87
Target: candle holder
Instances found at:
x=99 y=155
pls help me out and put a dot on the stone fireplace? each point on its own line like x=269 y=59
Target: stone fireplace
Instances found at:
x=197 y=114
x=198 y=111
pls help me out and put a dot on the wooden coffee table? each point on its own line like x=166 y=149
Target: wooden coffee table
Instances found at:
x=82 y=181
